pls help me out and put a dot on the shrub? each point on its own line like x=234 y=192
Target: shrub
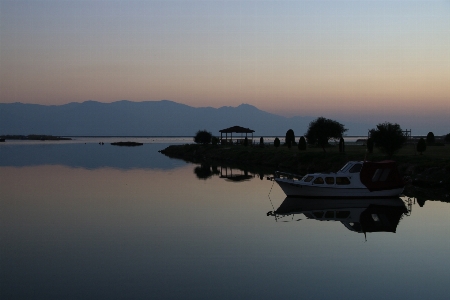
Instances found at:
x=421 y=146
x=322 y=129
x=430 y=138
x=246 y=142
x=276 y=142
x=261 y=142
x=203 y=137
x=290 y=138
x=447 y=138
x=388 y=137
x=214 y=140
x=302 y=143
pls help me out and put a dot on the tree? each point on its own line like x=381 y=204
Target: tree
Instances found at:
x=214 y=140
x=388 y=137
x=290 y=138
x=421 y=146
x=322 y=129
x=203 y=137
x=261 y=142
x=447 y=137
x=276 y=142
x=430 y=138
x=246 y=142
x=302 y=143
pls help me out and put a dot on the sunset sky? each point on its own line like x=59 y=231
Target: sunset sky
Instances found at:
x=371 y=61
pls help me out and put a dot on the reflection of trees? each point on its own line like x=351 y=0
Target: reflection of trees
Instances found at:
x=205 y=171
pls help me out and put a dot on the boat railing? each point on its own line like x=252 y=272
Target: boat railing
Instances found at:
x=286 y=175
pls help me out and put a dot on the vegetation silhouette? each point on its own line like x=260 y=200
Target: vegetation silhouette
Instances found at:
x=321 y=130
x=203 y=137
x=388 y=137
x=430 y=138
x=290 y=138
x=276 y=142
x=421 y=146
x=302 y=143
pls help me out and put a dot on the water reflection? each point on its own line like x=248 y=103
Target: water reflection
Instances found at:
x=358 y=215
x=233 y=174
x=87 y=156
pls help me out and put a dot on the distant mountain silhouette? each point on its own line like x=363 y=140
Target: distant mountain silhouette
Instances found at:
x=148 y=118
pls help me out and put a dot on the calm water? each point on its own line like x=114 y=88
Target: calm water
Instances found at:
x=83 y=221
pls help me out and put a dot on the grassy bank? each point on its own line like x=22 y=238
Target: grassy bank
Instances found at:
x=431 y=170
x=311 y=160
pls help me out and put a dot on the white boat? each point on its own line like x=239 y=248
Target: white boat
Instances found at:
x=358 y=179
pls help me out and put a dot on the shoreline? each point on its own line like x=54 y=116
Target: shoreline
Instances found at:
x=423 y=173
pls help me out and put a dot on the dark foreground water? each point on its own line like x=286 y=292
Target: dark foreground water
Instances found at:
x=83 y=221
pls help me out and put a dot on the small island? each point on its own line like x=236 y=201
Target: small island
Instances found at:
x=34 y=137
x=127 y=144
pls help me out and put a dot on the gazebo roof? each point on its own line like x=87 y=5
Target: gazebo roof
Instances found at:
x=237 y=129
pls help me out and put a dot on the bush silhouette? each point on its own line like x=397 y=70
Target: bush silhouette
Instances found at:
x=276 y=142
x=203 y=137
x=302 y=143
x=421 y=146
x=430 y=138
x=290 y=138
x=388 y=137
x=321 y=130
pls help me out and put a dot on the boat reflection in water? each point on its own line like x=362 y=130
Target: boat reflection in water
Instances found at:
x=359 y=215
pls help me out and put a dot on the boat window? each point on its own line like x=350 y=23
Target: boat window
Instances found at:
x=329 y=180
x=318 y=180
x=342 y=180
x=329 y=214
x=342 y=214
x=345 y=168
x=377 y=174
x=308 y=178
x=356 y=168
x=381 y=175
x=385 y=174
x=318 y=214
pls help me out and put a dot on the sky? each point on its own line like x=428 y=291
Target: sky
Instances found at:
x=371 y=61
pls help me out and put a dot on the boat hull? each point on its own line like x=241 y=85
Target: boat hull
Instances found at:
x=296 y=189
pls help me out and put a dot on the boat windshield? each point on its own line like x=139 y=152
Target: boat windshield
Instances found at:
x=308 y=178
x=346 y=167
x=356 y=168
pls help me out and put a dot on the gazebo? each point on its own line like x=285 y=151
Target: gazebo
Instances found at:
x=236 y=129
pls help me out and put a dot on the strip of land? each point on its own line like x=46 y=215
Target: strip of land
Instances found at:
x=429 y=170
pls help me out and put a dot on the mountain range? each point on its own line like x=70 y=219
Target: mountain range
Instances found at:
x=147 y=118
